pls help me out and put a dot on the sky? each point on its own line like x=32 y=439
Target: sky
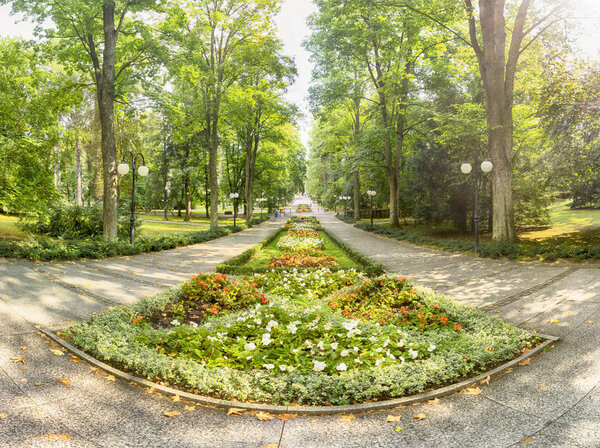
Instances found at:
x=292 y=30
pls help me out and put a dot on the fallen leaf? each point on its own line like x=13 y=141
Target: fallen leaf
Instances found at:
x=591 y=322
x=433 y=402
x=236 y=412
x=420 y=416
x=393 y=418
x=270 y=445
x=264 y=417
x=24 y=348
x=398 y=428
x=17 y=360
x=486 y=381
x=51 y=437
x=63 y=437
x=472 y=391
x=3 y=415
x=568 y=314
x=347 y=418
x=286 y=417
x=74 y=358
x=525 y=362
x=64 y=381
x=527 y=440
x=543 y=388
x=175 y=398
x=38 y=384
x=190 y=408
x=553 y=321
x=172 y=414
x=57 y=352
x=314 y=420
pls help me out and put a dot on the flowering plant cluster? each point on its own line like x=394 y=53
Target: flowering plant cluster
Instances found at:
x=391 y=301
x=312 y=283
x=210 y=294
x=294 y=242
x=302 y=260
x=274 y=339
x=303 y=208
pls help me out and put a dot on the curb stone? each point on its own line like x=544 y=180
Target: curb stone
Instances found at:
x=305 y=410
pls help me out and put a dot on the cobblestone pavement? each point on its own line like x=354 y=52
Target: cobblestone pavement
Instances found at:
x=552 y=402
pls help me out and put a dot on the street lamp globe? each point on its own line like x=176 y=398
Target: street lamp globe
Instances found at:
x=142 y=170
x=487 y=166
x=123 y=169
x=466 y=168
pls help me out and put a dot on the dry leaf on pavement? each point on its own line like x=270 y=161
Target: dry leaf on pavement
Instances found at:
x=190 y=408
x=23 y=348
x=57 y=352
x=472 y=391
x=236 y=412
x=175 y=397
x=64 y=381
x=591 y=322
x=264 y=417
x=270 y=445
x=420 y=416
x=527 y=440
x=3 y=415
x=525 y=362
x=286 y=417
x=486 y=381
x=346 y=418
x=17 y=360
x=172 y=414
x=433 y=402
x=393 y=418
x=543 y=388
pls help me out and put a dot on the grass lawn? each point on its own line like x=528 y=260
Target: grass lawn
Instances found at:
x=263 y=257
x=564 y=221
x=9 y=229
x=180 y=219
x=159 y=228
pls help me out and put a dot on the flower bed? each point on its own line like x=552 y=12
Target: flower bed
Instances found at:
x=248 y=345
x=303 y=208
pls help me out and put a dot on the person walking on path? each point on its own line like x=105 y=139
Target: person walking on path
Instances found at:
x=276 y=214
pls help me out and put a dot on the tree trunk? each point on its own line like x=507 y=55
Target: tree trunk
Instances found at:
x=188 y=196
x=78 y=172
x=97 y=156
x=356 y=195
x=212 y=165
x=106 y=98
x=57 y=170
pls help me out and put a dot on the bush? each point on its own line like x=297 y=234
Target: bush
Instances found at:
x=67 y=221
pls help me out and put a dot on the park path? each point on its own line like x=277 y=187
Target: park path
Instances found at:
x=555 y=400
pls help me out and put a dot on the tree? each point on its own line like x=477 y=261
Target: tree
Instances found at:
x=98 y=38
x=498 y=53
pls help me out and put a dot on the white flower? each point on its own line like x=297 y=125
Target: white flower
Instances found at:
x=379 y=361
x=319 y=366
x=269 y=366
x=431 y=348
x=413 y=353
x=282 y=367
x=194 y=325
x=321 y=346
x=342 y=367
x=355 y=348
x=248 y=357
x=344 y=353
x=266 y=339
x=379 y=350
x=272 y=324
x=334 y=345
x=175 y=323
x=401 y=343
x=402 y=360
x=250 y=346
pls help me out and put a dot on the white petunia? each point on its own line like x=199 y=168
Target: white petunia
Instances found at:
x=413 y=353
x=250 y=346
x=319 y=366
x=175 y=323
x=344 y=353
x=342 y=367
x=431 y=348
x=266 y=339
x=282 y=367
x=269 y=366
x=334 y=345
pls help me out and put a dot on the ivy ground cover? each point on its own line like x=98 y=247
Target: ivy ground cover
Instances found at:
x=312 y=336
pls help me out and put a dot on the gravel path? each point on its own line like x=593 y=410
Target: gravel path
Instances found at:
x=552 y=402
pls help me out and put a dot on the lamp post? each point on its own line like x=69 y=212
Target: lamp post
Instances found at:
x=466 y=168
x=261 y=200
x=345 y=199
x=371 y=193
x=143 y=171
x=234 y=196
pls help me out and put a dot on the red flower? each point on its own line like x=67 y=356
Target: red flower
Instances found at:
x=457 y=326
x=137 y=319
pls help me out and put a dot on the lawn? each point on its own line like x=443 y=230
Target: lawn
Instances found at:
x=9 y=229
x=564 y=220
x=161 y=228
x=196 y=220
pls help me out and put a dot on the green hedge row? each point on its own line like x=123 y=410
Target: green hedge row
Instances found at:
x=530 y=250
x=46 y=249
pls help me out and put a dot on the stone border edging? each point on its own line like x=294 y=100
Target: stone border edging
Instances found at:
x=304 y=410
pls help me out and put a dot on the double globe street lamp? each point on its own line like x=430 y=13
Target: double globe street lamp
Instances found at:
x=371 y=194
x=261 y=200
x=234 y=196
x=346 y=199
x=143 y=171
x=466 y=168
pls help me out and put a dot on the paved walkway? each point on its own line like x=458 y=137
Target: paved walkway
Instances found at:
x=555 y=400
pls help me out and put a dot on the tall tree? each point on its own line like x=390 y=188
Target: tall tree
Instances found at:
x=98 y=37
